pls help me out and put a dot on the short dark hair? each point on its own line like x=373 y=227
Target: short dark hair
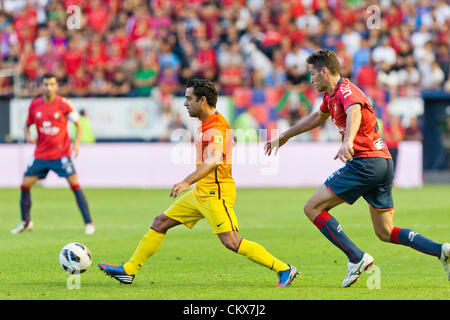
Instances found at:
x=204 y=88
x=48 y=76
x=325 y=58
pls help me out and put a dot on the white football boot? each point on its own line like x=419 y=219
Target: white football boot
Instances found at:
x=22 y=226
x=89 y=228
x=445 y=254
x=355 y=270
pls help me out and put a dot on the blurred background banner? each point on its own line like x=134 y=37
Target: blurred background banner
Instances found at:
x=122 y=119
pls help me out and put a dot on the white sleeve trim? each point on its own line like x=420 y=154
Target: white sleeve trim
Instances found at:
x=73 y=116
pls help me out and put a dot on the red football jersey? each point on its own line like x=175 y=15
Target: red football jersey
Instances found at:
x=53 y=141
x=368 y=141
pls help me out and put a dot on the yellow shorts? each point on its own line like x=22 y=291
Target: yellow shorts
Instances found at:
x=189 y=210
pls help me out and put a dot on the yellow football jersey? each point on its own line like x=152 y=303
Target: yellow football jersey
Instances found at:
x=215 y=133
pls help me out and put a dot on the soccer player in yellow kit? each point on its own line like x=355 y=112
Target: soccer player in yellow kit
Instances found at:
x=213 y=196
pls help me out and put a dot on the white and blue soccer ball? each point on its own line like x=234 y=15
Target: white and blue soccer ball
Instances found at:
x=75 y=258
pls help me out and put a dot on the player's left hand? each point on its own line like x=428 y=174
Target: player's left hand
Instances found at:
x=345 y=152
x=179 y=188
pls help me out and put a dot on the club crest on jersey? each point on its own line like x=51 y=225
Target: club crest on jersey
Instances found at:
x=56 y=115
x=38 y=114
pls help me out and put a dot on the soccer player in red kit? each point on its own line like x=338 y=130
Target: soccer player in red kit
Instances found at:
x=50 y=114
x=368 y=170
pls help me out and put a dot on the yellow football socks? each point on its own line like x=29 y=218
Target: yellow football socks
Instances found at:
x=257 y=253
x=148 y=245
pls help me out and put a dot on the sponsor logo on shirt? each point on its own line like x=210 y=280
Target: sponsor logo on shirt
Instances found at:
x=47 y=128
x=379 y=144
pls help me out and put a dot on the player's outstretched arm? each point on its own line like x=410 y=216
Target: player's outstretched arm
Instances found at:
x=306 y=124
x=209 y=165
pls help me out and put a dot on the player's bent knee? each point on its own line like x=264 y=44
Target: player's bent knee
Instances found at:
x=384 y=235
x=160 y=223
x=230 y=245
x=310 y=210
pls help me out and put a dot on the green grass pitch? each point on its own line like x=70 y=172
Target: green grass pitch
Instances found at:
x=193 y=265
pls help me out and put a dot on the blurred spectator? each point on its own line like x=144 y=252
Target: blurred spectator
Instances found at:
x=295 y=77
x=50 y=58
x=25 y=24
x=130 y=64
x=413 y=131
x=387 y=78
x=73 y=57
x=168 y=80
x=421 y=37
x=442 y=12
x=332 y=35
x=98 y=85
x=361 y=57
x=205 y=58
x=42 y=41
x=297 y=57
x=345 y=60
x=246 y=127
x=367 y=76
x=393 y=134
x=404 y=53
x=409 y=76
x=279 y=76
x=88 y=135
x=6 y=87
x=96 y=57
x=79 y=83
x=29 y=62
x=146 y=76
x=384 y=53
x=308 y=21
x=272 y=40
x=351 y=39
x=443 y=58
x=98 y=18
x=120 y=86
x=432 y=76
x=62 y=78
x=167 y=57
x=231 y=77
x=425 y=55
x=177 y=123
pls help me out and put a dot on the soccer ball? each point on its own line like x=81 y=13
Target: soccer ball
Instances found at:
x=75 y=258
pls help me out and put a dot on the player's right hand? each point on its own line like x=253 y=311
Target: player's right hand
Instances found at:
x=273 y=146
x=179 y=188
x=31 y=139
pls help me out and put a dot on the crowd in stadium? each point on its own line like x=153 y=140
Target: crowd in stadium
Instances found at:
x=126 y=48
